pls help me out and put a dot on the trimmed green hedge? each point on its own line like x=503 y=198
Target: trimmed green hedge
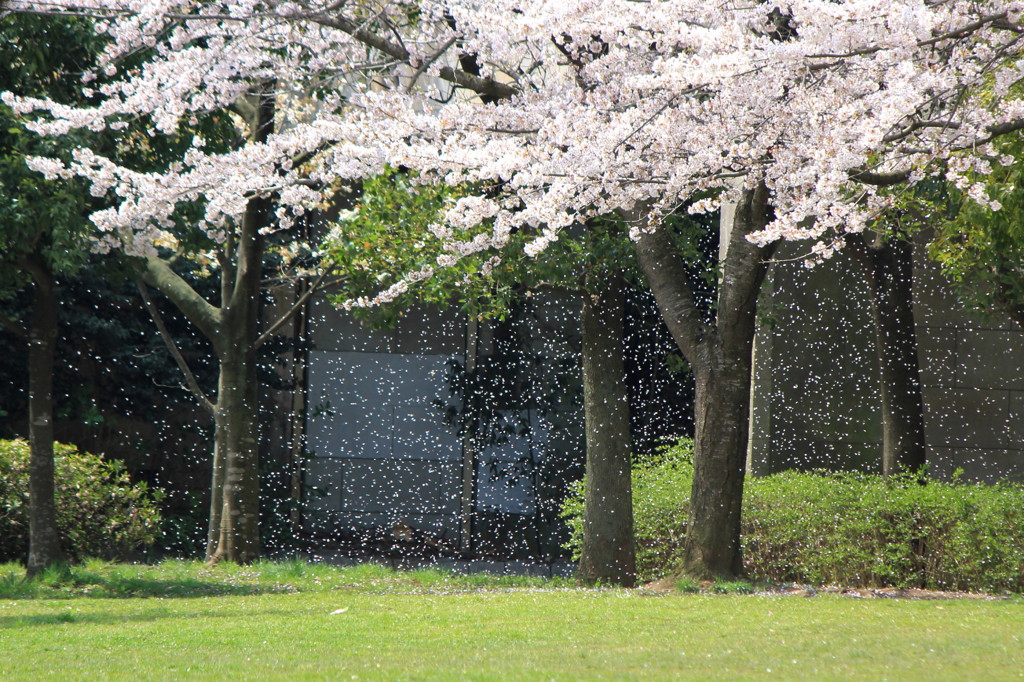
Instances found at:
x=100 y=512
x=840 y=528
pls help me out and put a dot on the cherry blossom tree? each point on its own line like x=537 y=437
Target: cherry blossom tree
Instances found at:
x=981 y=250
x=803 y=114
x=215 y=206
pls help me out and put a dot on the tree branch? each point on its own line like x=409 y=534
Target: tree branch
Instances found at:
x=159 y=275
x=426 y=63
x=999 y=20
x=190 y=378
x=744 y=268
x=478 y=84
x=666 y=275
x=867 y=177
x=265 y=336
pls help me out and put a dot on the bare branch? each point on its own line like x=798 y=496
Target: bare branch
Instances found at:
x=316 y=286
x=190 y=379
x=478 y=84
x=426 y=63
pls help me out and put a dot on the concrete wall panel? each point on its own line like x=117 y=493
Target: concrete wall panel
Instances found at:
x=817 y=400
x=400 y=487
x=937 y=355
x=323 y=484
x=990 y=358
x=967 y=417
x=426 y=330
x=346 y=430
x=977 y=465
x=1016 y=420
x=337 y=330
x=420 y=431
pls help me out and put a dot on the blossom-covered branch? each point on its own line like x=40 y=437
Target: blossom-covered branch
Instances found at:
x=588 y=107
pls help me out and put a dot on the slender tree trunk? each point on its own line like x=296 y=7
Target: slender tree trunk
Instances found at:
x=720 y=354
x=297 y=421
x=607 y=554
x=216 y=488
x=238 y=431
x=889 y=270
x=44 y=541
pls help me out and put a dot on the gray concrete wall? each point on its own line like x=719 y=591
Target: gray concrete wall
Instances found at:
x=382 y=448
x=815 y=401
x=383 y=421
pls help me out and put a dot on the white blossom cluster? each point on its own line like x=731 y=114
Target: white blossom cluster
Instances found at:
x=573 y=109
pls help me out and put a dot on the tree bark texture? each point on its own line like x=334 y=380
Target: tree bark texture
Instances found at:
x=44 y=540
x=216 y=488
x=236 y=413
x=719 y=351
x=889 y=270
x=607 y=555
x=233 y=533
x=722 y=406
x=237 y=427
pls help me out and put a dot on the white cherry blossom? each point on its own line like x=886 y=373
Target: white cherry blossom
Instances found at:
x=578 y=108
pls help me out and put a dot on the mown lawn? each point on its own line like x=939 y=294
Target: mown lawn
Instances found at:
x=296 y=621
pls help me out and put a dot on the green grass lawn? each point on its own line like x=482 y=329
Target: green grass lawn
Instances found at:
x=296 y=621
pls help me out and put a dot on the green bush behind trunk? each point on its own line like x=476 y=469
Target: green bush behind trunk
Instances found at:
x=100 y=512
x=844 y=528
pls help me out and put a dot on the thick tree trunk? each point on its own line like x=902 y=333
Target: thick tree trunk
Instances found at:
x=44 y=541
x=722 y=407
x=889 y=270
x=720 y=355
x=232 y=327
x=607 y=554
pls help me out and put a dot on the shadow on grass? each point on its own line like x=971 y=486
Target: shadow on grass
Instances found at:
x=81 y=583
x=113 y=587
x=183 y=579
x=68 y=617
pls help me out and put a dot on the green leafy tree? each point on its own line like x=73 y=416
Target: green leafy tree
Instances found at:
x=982 y=250
x=45 y=233
x=42 y=232
x=116 y=389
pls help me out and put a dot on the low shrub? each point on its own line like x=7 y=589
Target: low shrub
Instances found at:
x=100 y=512
x=839 y=528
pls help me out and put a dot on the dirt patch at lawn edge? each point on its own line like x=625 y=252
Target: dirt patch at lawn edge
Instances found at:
x=785 y=590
